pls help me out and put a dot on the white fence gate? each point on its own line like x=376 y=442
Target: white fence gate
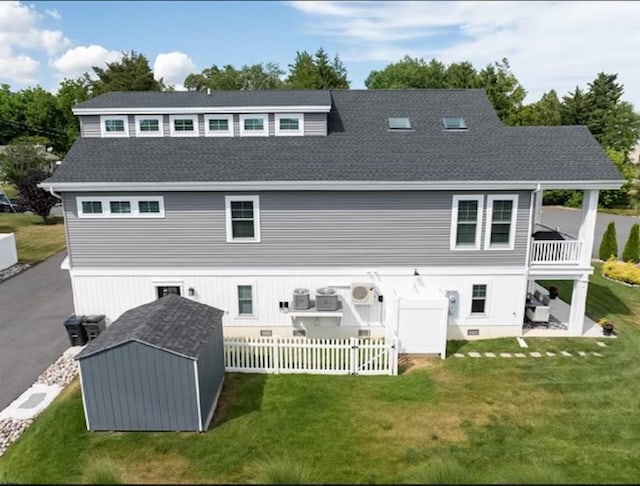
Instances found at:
x=354 y=356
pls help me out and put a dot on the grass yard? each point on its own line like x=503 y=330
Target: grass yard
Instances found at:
x=35 y=240
x=9 y=190
x=560 y=420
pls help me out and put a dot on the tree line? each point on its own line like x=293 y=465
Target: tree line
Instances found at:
x=34 y=115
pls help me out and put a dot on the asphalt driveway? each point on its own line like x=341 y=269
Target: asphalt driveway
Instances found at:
x=33 y=306
x=568 y=220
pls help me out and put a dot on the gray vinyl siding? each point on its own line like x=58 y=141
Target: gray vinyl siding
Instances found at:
x=211 y=373
x=315 y=124
x=323 y=228
x=90 y=126
x=138 y=387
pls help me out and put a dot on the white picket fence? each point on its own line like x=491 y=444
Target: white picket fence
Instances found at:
x=354 y=356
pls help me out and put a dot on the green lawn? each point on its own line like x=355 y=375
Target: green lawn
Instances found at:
x=568 y=420
x=9 y=190
x=35 y=240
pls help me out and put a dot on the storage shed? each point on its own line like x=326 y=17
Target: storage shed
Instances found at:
x=159 y=367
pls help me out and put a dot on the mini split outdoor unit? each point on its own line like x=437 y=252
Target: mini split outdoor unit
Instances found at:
x=301 y=299
x=362 y=293
x=326 y=299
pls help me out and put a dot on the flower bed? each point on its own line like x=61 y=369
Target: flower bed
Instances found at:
x=625 y=272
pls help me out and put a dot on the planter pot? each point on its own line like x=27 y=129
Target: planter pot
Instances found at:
x=607 y=329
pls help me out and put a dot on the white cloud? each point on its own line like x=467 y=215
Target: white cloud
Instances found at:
x=81 y=59
x=173 y=67
x=20 y=69
x=54 y=14
x=549 y=44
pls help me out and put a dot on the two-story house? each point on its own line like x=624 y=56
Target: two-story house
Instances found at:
x=325 y=213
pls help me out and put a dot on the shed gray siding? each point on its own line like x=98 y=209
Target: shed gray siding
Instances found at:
x=367 y=228
x=210 y=373
x=314 y=124
x=138 y=387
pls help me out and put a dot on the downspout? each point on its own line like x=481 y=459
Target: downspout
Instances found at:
x=54 y=194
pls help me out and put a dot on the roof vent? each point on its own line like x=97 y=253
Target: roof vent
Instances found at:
x=399 y=123
x=454 y=123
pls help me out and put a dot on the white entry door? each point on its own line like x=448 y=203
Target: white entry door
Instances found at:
x=422 y=326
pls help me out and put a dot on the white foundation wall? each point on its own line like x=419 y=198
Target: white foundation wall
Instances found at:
x=112 y=292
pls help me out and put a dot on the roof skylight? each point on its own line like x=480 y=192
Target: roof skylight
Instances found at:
x=454 y=123
x=399 y=123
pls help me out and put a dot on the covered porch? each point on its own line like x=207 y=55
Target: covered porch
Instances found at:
x=558 y=319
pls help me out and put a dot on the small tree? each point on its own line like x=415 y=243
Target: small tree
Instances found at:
x=609 y=245
x=31 y=196
x=631 y=251
x=19 y=159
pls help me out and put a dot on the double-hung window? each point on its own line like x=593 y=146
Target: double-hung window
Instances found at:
x=149 y=126
x=246 y=300
x=243 y=218
x=254 y=125
x=183 y=125
x=501 y=222
x=466 y=222
x=218 y=125
x=289 y=124
x=114 y=126
x=479 y=299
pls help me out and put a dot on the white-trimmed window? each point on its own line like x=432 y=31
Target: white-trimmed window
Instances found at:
x=466 y=219
x=121 y=207
x=218 y=125
x=162 y=289
x=246 y=299
x=501 y=222
x=149 y=126
x=183 y=125
x=254 y=125
x=243 y=219
x=289 y=124
x=114 y=125
x=479 y=299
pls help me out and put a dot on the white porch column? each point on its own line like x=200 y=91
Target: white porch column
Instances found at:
x=537 y=207
x=578 y=306
x=587 y=230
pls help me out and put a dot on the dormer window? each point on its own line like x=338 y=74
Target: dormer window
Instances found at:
x=149 y=126
x=218 y=125
x=289 y=124
x=454 y=123
x=114 y=126
x=254 y=125
x=399 y=123
x=184 y=125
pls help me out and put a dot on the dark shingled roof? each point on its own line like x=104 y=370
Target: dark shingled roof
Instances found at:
x=359 y=147
x=190 y=99
x=172 y=323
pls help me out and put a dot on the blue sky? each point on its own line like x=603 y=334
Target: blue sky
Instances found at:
x=549 y=44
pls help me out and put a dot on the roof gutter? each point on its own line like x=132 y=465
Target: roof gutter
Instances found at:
x=327 y=185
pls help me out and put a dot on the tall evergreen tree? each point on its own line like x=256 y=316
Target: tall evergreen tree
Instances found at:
x=609 y=245
x=317 y=71
x=575 y=108
x=131 y=73
x=631 y=252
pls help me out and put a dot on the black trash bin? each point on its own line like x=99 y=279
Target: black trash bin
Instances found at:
x=93 y=325
x=75 y=330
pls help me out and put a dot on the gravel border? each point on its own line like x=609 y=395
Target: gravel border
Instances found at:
x=13 y=270
x=61 y=373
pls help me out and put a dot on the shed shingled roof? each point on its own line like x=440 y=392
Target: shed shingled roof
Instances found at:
x=172 y=323
x=359 y=147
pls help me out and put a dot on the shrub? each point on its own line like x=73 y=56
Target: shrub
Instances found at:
x=609 y=244
x=103 y=471
x=622 y=271
x=283 y=470
x=631 y=251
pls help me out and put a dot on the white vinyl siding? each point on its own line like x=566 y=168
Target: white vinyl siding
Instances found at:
x=254 y=125
x=218 y=125
x=120 y=207
x=149 y=126
x=289 y=124
x=466 y=222
x=242 y=219
x=501 y=222
x=114 y=126
x=183 y=125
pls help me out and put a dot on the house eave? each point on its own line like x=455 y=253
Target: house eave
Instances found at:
x=326 y=185
x=203 y=109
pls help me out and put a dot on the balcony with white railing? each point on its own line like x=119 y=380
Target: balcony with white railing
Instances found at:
x=556 y=252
